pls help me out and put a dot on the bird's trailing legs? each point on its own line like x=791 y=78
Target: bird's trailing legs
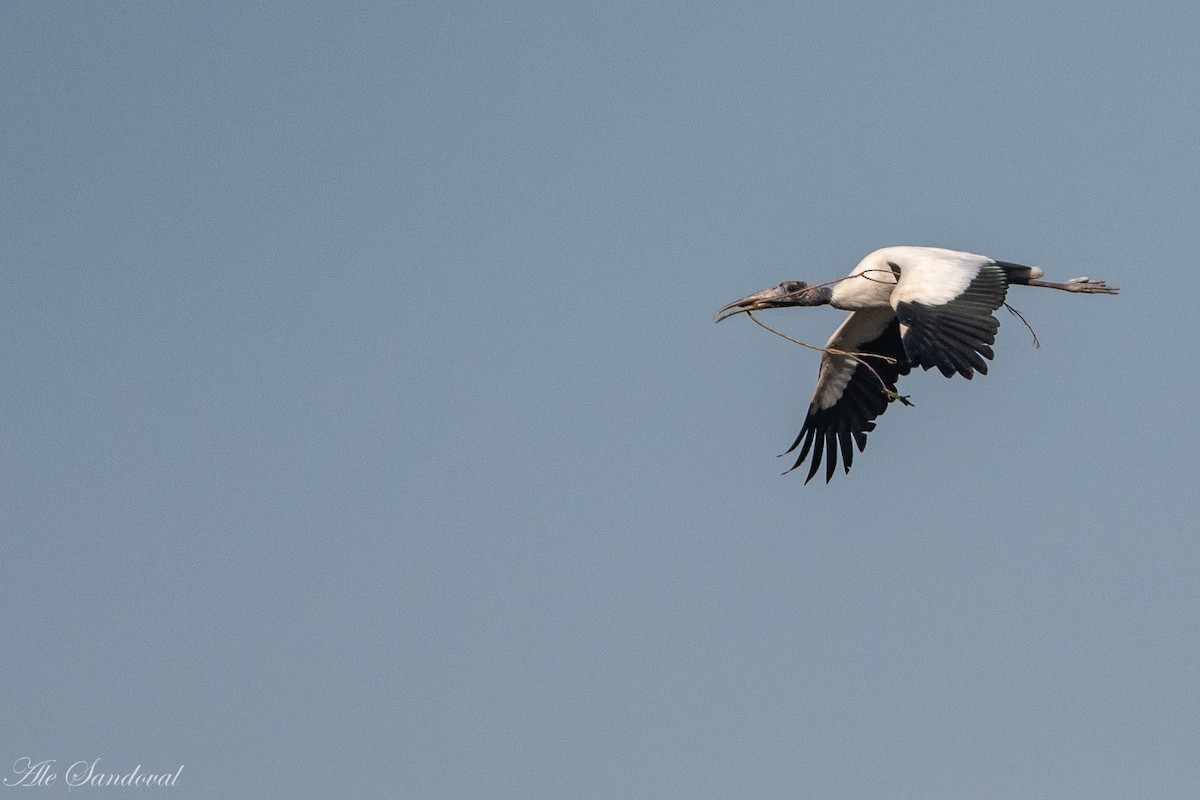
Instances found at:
x=1031 y=276
x=1084 y=285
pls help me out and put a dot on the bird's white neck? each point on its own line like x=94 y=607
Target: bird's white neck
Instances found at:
x=866 y=287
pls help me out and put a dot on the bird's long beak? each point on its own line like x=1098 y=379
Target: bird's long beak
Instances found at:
x=785 y=294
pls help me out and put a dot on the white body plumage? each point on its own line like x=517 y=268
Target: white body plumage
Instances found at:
x=931 y=275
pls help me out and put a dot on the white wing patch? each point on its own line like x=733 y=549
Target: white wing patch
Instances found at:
x=836 y=372
x=930 y=275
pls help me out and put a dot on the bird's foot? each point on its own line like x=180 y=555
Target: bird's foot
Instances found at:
x=902 y=398
x=1088 y=286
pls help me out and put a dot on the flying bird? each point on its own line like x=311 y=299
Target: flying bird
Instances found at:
x=909 y=307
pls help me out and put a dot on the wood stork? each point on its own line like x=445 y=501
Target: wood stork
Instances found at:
x=910 y=306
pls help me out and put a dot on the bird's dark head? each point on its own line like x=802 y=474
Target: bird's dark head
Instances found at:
x=788 y=293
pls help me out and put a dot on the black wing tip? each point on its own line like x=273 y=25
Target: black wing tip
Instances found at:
x=828 y=444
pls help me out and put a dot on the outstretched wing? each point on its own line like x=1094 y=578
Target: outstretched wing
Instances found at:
x=851 y=393
x=944 y=301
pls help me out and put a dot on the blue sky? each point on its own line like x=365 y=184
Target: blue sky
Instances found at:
x=367 y=431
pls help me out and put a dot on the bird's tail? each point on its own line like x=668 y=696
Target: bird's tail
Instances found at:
x=1019 y=273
